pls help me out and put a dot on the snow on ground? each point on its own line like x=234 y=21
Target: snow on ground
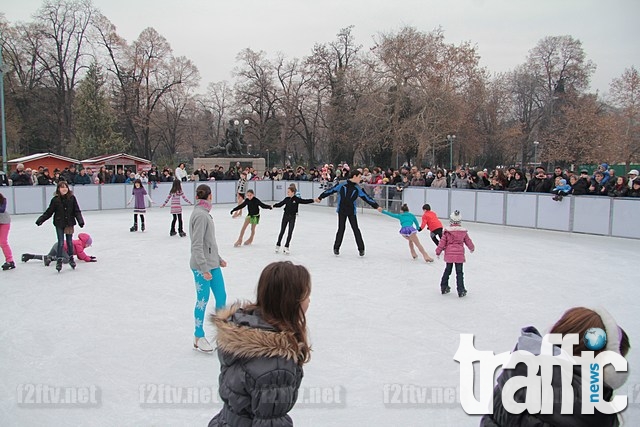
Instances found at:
x=120 y=330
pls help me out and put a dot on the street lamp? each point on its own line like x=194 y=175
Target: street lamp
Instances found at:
x=535 y=152
x=3 y=69
x=451 y=138
x=268 y=159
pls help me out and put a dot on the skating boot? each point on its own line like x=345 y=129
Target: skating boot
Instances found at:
x=59 y=264
x=445 y=290
x=361 y=252
x=286 y=251
x=201 y=344
x=142 y=227
x=172 y=233
x=462 y=293
x=72 y=262
x=27 y=257
x=336 y=252
x=47 y=260
x=182 y=234
x=277 y=249
x=134 y=228
x=9 y=265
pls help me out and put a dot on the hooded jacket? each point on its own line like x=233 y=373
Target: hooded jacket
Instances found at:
x=348 y=192
x=531 y=341
x=204 y=248
x=452 y=243
x=83 y=241
x=259 y=370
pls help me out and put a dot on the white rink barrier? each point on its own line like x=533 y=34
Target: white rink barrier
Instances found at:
x=605 y=216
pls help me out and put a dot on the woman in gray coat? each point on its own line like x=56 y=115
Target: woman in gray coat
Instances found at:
x=262 y=348
x=205 y=263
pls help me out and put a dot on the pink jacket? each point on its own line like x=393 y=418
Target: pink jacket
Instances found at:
x=83 y=241
x=452 y=243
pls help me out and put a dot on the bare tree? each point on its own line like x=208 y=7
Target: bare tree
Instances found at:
x=625 y=95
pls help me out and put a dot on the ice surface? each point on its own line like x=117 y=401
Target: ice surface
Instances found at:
x=377 y=324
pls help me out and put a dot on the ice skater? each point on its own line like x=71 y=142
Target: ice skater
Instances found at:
x=253 y=205
x=409 y=232
x=5 y=225
x=452 y=243
x=66 y=213
x=290 y=204
x=83 y=241
x=348 y=192
x=176 y=207
x=206 y=264
x=262 y=348
x=432 y=223
x=241 y=189
x=138 y=193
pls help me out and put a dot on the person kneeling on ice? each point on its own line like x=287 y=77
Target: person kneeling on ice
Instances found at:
x=79 y=245
x=452 y=243
x=408 y=231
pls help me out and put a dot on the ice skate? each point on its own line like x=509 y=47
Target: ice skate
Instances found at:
x=142 y=227
x=428 y=259
x=134 y=228
x=237 y=243
x=182 y=234
x=361 y=253
x=172 y=233
x=248 y=242
x=47 y=260
x=336 y=252
x=9 y=265
x=27 y=257
x=72 y=262
x=286 y=251
x=59 y=264
x=462 y=293
x=277 y=249
x=445 y=290
x=201 y=344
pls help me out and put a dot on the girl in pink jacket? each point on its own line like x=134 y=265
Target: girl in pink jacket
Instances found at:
x=452 y=243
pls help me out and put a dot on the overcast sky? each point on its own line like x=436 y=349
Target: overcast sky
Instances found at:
x=212 y=32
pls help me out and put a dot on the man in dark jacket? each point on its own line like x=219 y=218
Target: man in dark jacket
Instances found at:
x=82 y=178
x=348 y=192
x=581 y=186
x=119 y=177
x=45 y=178
x=540 y=183
x=20 y=177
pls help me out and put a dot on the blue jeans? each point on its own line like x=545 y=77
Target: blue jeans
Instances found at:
x=61 y=236
x=203 y=288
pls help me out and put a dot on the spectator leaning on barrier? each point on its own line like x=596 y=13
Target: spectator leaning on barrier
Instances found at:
x=597 y=187
x=540 y=183
x=635 y=188
x=632 y=175
x=45 y=178
x=461 y=180
x=82 y=178
x=518 y=182
x=620 y=188
x=19 y=176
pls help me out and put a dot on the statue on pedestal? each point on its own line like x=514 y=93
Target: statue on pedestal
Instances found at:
x=233 y=142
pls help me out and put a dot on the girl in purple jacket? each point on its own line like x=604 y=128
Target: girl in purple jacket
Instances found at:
x=452 y=243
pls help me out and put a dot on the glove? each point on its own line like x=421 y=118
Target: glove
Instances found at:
x=231 y=213
x=38 y=222
x=92 y=258
x=419 y=229
x=81 y=224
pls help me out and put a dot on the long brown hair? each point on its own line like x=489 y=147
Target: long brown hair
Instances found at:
x=577 y=320
x=63 y=184
x=281 y=289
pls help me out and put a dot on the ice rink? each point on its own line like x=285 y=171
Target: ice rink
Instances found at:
x=115 y=337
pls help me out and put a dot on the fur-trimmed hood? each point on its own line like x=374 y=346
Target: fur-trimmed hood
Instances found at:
x=245 y=334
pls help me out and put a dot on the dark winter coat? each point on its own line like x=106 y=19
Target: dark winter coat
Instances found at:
x=581 y=187
x=598 y=189
x=348 y=192
x=517 y=185
x=537 y=185
x=260 y=373
x=65 y=211
x=81 y=179
x=530 y=341
x=20 y=178
x=44 y=180
x=291 y=204
x=453 y=242
x=619 y=191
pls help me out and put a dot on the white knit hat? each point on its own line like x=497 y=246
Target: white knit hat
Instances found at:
x=455 y=218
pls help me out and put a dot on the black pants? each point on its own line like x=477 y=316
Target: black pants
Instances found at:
x=287 y=220
x=61 y=237
x=135 y=219
x=444 y=283
x=173 y=222
x=353 y=222
x=436 y=235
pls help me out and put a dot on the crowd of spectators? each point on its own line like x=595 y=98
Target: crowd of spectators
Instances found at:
x=560 y=182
